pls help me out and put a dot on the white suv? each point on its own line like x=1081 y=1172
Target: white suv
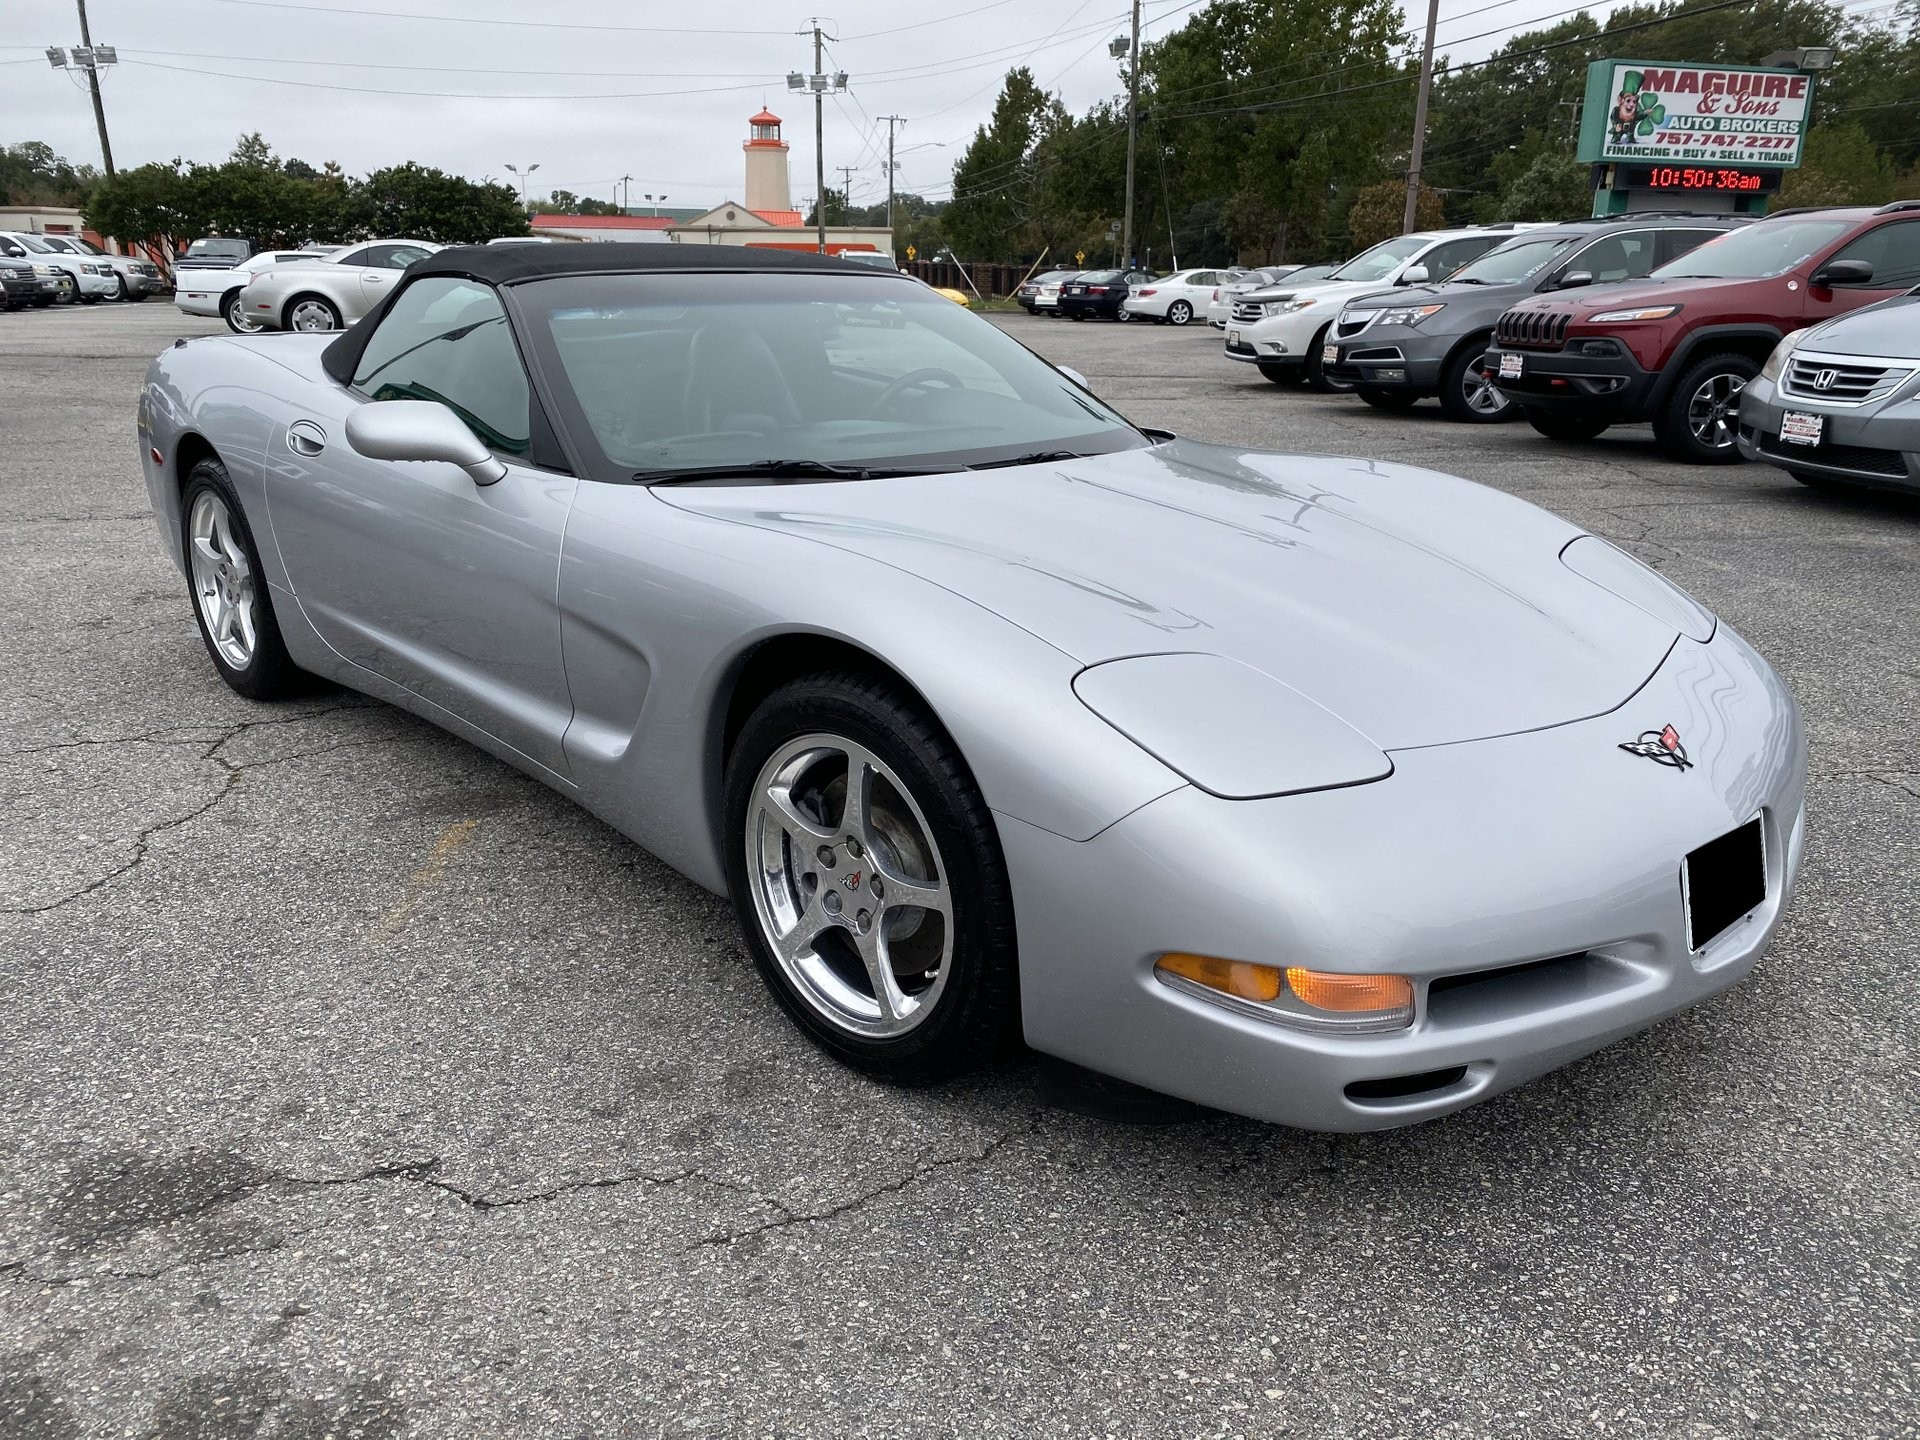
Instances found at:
x=1283 y=330
x=81 y=276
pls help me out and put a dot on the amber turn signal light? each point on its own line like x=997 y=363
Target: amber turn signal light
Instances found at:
x=1239 y=978
x=1350 y=994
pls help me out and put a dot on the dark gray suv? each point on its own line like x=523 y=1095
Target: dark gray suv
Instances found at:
x=1398 y=345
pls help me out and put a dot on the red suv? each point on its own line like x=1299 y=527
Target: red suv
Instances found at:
x=1680 y=346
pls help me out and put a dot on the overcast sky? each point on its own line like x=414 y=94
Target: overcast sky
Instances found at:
x=589 y=90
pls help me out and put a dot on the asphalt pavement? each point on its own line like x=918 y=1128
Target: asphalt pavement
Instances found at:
x=352 y=1084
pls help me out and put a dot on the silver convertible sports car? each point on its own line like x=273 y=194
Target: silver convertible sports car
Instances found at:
x=1327 y=791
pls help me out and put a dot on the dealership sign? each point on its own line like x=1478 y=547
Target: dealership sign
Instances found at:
x=1651 y=110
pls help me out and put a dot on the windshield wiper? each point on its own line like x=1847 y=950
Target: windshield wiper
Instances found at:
x=778 y=470
x=1038 y=457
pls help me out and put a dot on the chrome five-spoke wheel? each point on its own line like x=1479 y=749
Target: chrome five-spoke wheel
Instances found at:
x=848 y=886
x=223 y=580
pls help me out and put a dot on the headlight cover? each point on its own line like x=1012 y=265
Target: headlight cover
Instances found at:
x=1234 y=731
x=1621 y=317
x=1287 y=307
x=1409 y=314
x=1618 y=573
x=1777 y=361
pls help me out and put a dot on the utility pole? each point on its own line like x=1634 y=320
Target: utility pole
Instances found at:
x=93 y=84
x=892 y=120
x=625 y=181
x=1133 y=127
x=818 y=82
x=820 y=143
x=846 y=192
x=1420 y=120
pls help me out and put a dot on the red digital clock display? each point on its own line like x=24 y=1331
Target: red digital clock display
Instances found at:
x=1718 y=179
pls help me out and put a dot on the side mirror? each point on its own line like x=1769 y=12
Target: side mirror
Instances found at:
x=421 y=430
x=1842 y=272
x=1574 y=280
x=1075 y=376
x=1414 y=275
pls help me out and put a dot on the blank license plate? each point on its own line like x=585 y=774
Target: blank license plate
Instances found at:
x=1330 y=355
x=1724 y=880
x=1799 y=428
x=1511 y=366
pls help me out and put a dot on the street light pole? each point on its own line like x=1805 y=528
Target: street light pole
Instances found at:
x=1133 y=128
x=1420 y=121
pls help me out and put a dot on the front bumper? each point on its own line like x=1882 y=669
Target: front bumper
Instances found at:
x=140 y=283
x=1391 y=357
x=99 y=285
x=1876 y=445
x=27 y=292
x=1609 y=387
x=1553 y=850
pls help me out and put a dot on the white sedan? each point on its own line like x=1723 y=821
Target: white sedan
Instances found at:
x=332 y=293
x=217 y=292
x=1175 y=299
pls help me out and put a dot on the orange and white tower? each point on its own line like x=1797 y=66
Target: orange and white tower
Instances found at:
x=767 y=187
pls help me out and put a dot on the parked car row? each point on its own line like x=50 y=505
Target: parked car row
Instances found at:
x=1734 y=337
x=38 y=269
x=299 y=289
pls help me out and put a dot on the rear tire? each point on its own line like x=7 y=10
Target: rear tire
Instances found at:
x=1467 y=392
x=1566 y=428
x=1387 y=399
x=232 y=603
x=1317 y=377
x=1179 y=313
x=312 y=313
x=1699 y=420
x=818 y=881
x=233 y=311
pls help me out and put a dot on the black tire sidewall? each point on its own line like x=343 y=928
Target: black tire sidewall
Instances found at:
x=1386 y=399
x=1453 y=390
x=1316 y=370
x=271 y=674
x=1670 y=426
x=976 y=1017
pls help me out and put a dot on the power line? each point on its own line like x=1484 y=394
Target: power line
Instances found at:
x=482 y=20
x=440 y=94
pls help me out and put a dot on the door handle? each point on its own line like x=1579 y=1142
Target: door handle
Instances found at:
x=306 y=438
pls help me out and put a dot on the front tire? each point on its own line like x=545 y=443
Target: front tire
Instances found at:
x=1468 y=394
x=313 y=313
x=231 y=602
x=867 y=879
x=1700 y=419
x=69 y=290
x=1565 y=428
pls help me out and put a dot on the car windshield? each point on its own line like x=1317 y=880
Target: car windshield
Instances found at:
x=1516 y=260
x=1756 y=252
x=692 y=372
x=38 y=247
x=236 y=249
x=1382 y=260
x=83 y=245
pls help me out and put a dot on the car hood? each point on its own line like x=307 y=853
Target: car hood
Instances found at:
x=1886 y=329
x=1419 y=608
x=1619 y=295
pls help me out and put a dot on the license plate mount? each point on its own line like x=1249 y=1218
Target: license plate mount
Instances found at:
x=1724 y=881
x=1512 y=366
x=1797 y=427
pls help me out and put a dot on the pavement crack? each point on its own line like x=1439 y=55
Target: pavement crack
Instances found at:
x=921 y=1170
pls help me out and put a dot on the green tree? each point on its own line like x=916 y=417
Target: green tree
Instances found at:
x=993 y=183
x=252 y=152
x=423 y=203
x=158 y=205
x=31 y=173
x=1380 y=211
x=1554 y=187
x=1839 y=166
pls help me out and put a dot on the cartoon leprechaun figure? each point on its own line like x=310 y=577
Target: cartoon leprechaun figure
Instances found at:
x=1636 y=114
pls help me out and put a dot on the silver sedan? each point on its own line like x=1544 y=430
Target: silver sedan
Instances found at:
x=332 y=293
x=1324 y=790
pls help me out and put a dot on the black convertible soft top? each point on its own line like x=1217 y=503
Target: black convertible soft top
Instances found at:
x=510 y=264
